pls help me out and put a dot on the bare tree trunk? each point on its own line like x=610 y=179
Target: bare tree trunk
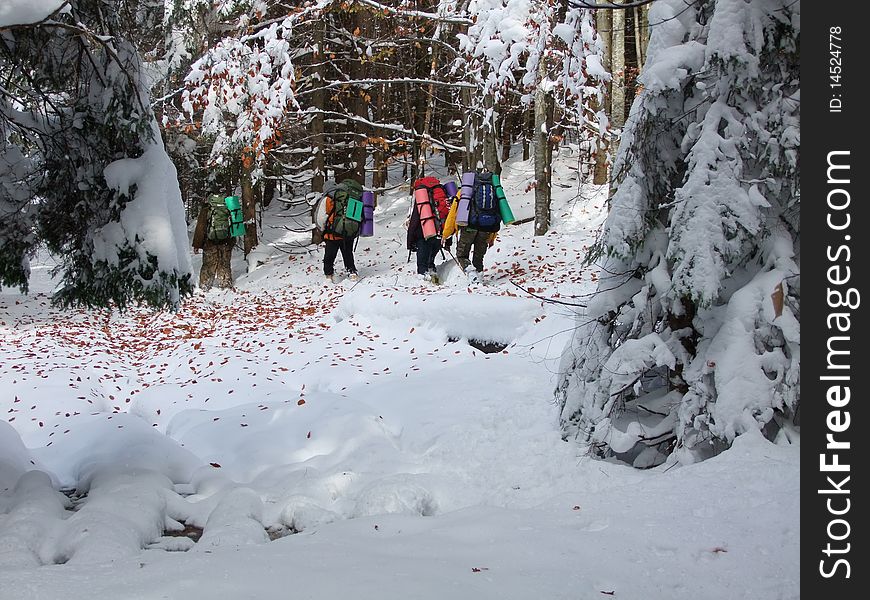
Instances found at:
x=643 y=19
x=270 y=186
x=318 y=163
x=470 y=135
x=507 y=129
x=528 y=131
x=430 y=103
x=359 y=151
x=599 y=175
x=638 y=40
x=617 y=68
x=490 y=141
x=543 y=155
x=604 y=24
x=379 y=177
x=249 y=204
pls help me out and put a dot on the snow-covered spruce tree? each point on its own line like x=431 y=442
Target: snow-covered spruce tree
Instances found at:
x=693 y=336
x=95 y=186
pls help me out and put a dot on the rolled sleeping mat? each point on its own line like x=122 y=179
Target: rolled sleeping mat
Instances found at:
x=465 y=198
x=237 y=221
x=450 y=188
x=367 y=227
x=450 y=222
x=354 y=210
x=424 y=207
x=503 y=207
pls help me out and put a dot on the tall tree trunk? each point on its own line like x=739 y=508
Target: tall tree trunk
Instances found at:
x=528 y=127
x=249 y=203
x=410 y=120
x=490 y=141
x=425 y=142
x=639 y=48
x=362 y=21
x=470 y=133
x=270 y=186
x=599 y=174
x=507 y=130
x=643 y=19
x=604 y=24
x=318 y=177
x=379 y=177
x=543 y=155
x=318 y=163
x=617 y=68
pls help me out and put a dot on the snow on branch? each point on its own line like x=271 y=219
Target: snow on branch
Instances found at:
x=361 y=82
x=416 y=13
x=389 y=127
x=28 y=13
x=596 y=5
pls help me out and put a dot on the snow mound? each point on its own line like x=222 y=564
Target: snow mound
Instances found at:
x=460 y=315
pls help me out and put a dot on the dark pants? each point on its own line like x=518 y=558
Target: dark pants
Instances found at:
x=472 y=239
x=332 y=248
x=426 y=252
x=216 y=268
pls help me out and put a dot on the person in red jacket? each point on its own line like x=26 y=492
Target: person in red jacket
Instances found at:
x=426 y=249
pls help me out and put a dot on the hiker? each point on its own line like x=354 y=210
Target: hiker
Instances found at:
x=212 y=235
x=474 y=243
x=478 y=227
x=339 y=231
x=425 y=224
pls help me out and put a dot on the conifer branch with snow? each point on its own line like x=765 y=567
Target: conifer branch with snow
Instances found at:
x=701 y=235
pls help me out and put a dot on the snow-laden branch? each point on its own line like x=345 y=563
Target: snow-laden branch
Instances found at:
x=416 y=13
x=522 y=46
x=30 y=13
x=335 y=84
x=390 y=127
x=105 y=41
x=596 y=5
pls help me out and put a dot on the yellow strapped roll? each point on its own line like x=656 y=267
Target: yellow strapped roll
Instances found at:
x=450 y=223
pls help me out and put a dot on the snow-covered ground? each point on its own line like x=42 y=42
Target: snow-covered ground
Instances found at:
x=347 y=441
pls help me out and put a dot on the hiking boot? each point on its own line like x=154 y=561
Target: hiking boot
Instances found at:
x=473 y=275
x=353 y=276
x=329 y=279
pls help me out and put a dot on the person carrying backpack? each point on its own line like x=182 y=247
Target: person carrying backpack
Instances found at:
x=214 y=236
x=340 y=226
x=429 y=210
x=481 y=230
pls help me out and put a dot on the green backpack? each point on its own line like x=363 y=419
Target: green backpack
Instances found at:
x=224 y=218
x=346 y=212
x=218 y=219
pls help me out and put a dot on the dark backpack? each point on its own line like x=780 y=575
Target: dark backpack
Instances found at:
x=346 y=214
x=218 y=219
x=483 y=211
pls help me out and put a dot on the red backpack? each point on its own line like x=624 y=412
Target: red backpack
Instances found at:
x=438 y=202
x=437 y=195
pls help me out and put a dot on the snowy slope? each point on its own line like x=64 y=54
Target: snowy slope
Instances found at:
x=346 y=440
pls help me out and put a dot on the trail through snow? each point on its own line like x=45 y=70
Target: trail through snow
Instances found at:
x=345 y=440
